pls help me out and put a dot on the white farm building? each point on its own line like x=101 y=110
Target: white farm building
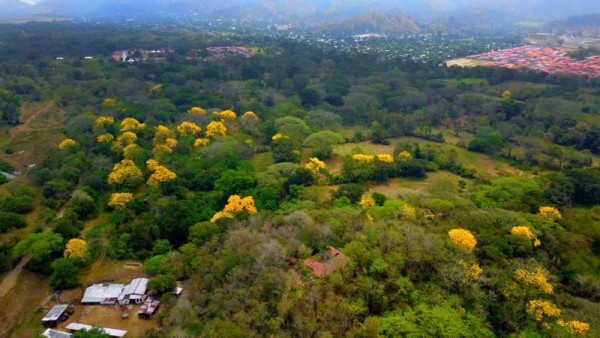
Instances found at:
x=102 y=294
x=134 y=292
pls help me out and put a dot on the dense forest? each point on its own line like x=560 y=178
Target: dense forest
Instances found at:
x=304 y=192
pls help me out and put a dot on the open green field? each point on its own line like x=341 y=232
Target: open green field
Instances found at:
x=484 y=164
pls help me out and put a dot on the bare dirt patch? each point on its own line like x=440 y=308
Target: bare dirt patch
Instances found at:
x=464 y=62
x=21 y=301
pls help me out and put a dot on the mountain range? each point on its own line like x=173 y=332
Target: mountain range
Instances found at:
x=307 y=11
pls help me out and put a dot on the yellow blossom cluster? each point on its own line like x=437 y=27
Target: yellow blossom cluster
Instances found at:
x=385 y=158
x=104 y=121
x=472 y=271
x=249 y=117
x=216 y=128
x=463 y=238
x=277 y=137
x=131 y=124
x=315 y=165
x=160 y=175
x=109 y=102
x=574 y=327
x=125 y=172
x=76 y=249
x=127 y=138
x=409 y=212
x=105 y=138
x=188 y=128
x=164 y=141
x=225 y=115
x=120 y=200
x=237 y=205
x=536 y=279
x=404 y=156
x=196 y=111
x=219 y=215
x=202 y=141
x=151 y=164
x=549 y=214
x=66 y=143
x=366 y=202
x=363 y=158
x=539 y=309
x=525 y=231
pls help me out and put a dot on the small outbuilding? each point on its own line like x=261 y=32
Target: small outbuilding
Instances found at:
x=50 y=333
x=57 y=313
x=149 y=307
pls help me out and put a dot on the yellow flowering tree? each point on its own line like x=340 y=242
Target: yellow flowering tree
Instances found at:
x=549 y=214
x=67 y=143
x=131 y=124
x=202 y=141
x=404 y=156
x=119 y=200
x=105 y=138
x=463 y=238
x=160 y=175
x=574 y=327
x=237 y=205
x=104 y=121
x=76 y=249
x=315 y=165
x=225 y=115
x=542 y=310
x=277 y=137
x=162 y=134
x=216 y=128
x=151 y=164
x=188 y=128
x=525 y=232
x=536 y=279
x=220 y=215
x=385 y=158
x=249 y=118
x=472 y=271
x=125 y=173
x=196 y=112
x=363 y=158
x=109 y=102
x=366 y=202
x=409 y=212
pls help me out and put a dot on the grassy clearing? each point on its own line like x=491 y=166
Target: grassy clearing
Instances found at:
x=404 y=187
x=484 y=164
x=467 y=81
x=19 y=312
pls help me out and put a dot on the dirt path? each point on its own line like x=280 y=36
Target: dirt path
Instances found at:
x=10 y=280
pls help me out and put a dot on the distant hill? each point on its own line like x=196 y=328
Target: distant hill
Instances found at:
x=376 y=23
x=578 y=21
x=11 y=8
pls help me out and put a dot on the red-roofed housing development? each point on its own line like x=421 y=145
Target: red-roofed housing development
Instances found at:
x=548 y=60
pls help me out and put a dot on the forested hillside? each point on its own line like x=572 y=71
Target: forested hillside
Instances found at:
x=301 y=192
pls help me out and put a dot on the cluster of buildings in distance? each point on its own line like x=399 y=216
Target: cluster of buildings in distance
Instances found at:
x=138 y=55
x=544 y=59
